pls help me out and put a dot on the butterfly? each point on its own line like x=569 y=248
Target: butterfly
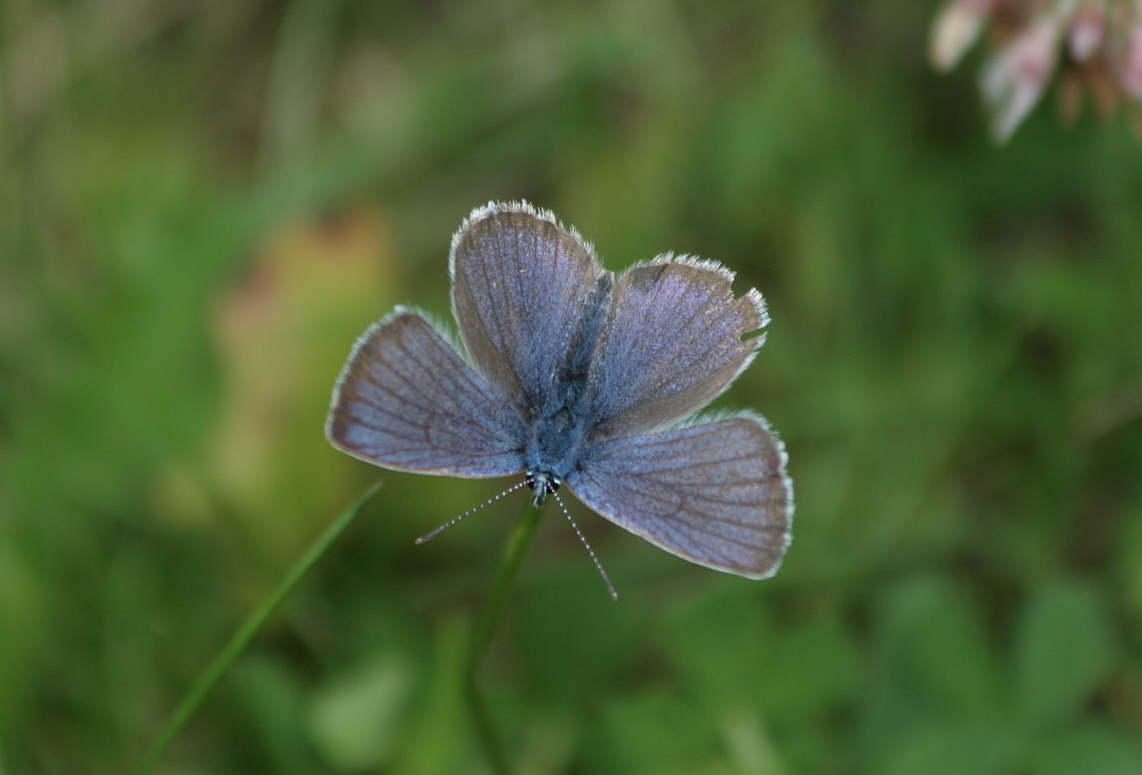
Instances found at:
x=569 y=375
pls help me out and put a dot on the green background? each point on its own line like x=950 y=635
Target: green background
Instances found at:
x=203 y=203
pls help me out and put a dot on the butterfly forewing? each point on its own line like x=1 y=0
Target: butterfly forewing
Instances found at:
x=672 y=342
x=407 y=400
x=519 y=285
x=715 y=493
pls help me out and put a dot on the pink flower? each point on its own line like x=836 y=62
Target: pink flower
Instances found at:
x=1016 y=77
x=1102 y=54
x=1130 y=66
x=955 y=30
x=1087 y=28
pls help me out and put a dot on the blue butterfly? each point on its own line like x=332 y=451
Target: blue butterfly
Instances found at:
x=573 y=376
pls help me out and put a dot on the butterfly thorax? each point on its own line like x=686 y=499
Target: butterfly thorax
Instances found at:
x=554 y=450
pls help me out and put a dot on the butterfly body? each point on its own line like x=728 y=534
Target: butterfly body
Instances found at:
x=561 y=429
x=573 y=376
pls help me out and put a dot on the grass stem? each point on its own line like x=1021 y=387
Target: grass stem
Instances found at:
x=225 y=659
x=484 y=628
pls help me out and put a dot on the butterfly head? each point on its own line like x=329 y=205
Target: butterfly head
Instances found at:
x=542 y=484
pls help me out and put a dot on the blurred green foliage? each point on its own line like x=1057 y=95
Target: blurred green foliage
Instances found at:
x=202 y=204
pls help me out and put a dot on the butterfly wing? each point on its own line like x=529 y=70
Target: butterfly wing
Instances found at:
x=671 y=343
x=520 y=282
x=407 y=400
x=713 y=492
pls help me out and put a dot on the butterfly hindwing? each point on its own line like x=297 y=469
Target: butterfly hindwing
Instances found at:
x=672 y=342
x=520 y=282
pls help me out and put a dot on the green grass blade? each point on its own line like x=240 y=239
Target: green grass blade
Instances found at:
x=229 y=654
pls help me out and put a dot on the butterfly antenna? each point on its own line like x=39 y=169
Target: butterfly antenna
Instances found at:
x=433 y=533
x=587 y=546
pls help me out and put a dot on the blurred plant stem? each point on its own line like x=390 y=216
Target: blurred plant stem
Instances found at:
x=229 y=654
x=485 y=626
